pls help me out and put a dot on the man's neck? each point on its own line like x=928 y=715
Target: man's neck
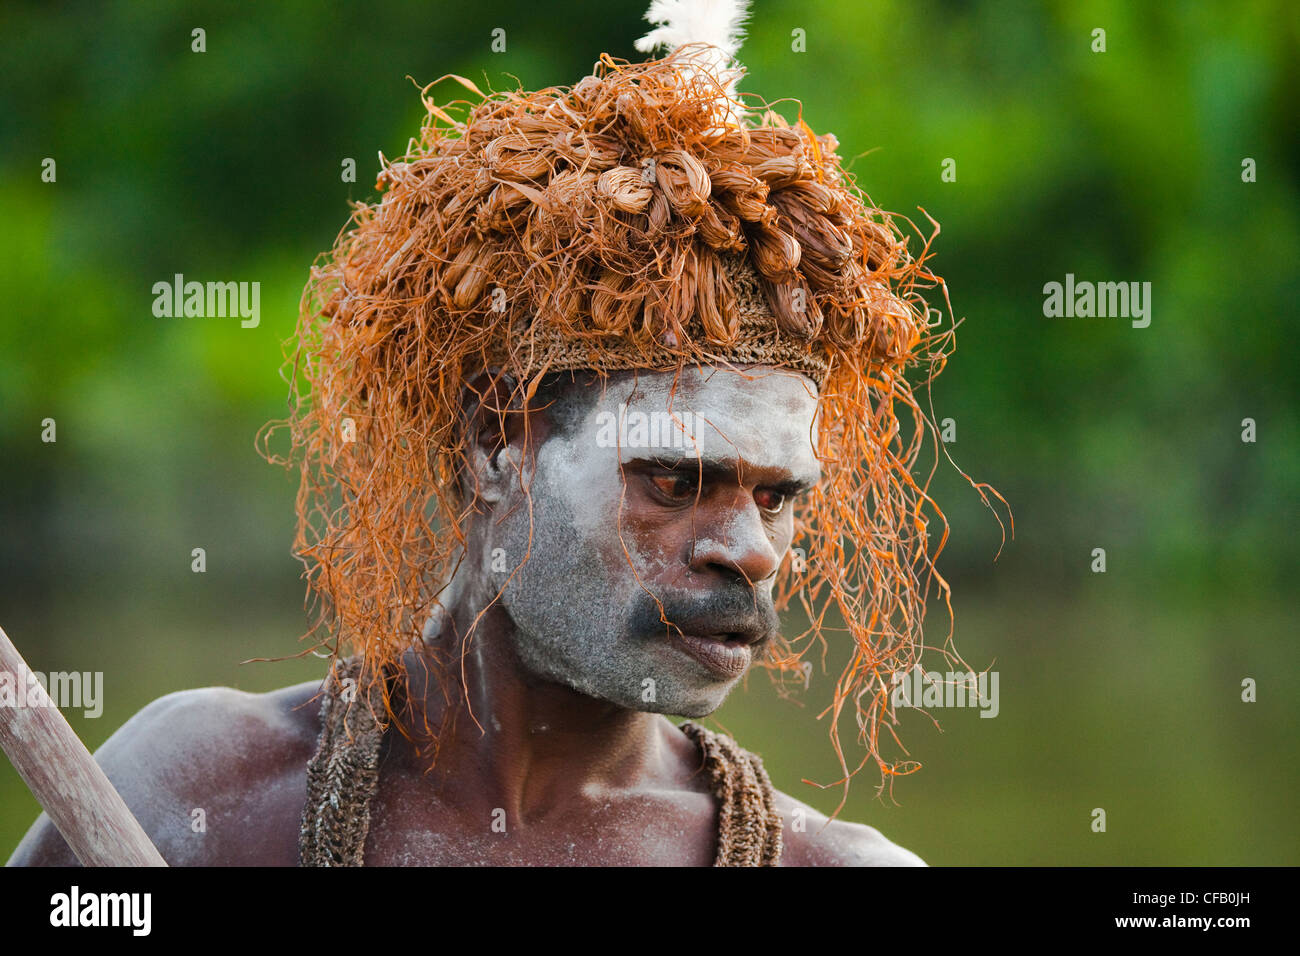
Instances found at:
x=522 y=743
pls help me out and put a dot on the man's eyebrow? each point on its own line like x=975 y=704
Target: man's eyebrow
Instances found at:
x=715 y=469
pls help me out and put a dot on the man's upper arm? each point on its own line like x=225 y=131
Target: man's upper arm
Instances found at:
x=817 y=841
x=856 y=844
x=202 y=770
x=43 y=845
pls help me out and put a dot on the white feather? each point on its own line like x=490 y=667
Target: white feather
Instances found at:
x=679 y=22
x=716 y=22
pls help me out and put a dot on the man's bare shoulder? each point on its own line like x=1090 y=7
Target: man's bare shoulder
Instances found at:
x=812 y=839
x=216 y=776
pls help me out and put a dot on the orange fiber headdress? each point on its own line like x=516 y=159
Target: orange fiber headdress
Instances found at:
x=640 y=219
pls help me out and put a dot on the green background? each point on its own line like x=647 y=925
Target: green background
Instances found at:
x=1119 y=690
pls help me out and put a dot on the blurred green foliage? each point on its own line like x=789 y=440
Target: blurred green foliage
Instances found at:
x=1119 y=690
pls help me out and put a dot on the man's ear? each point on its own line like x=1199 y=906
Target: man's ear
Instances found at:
x=494 y=436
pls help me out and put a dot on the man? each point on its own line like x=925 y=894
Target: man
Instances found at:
x=576 y=386
x=570 y=761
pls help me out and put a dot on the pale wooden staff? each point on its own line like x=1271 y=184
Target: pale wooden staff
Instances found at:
x=64 y=778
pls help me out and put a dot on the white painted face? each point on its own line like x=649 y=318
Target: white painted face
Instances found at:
x=680 y=500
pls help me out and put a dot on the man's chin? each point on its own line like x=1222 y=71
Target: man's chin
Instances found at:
x=662 y=697
x=702 y=710
x=681 y=700
x=678 y=688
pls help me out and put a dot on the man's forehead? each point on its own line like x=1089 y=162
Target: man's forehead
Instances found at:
x=762 y=417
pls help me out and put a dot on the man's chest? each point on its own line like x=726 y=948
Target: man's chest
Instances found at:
x=410 y=827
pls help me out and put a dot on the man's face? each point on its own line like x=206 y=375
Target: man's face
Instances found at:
x=638 y=510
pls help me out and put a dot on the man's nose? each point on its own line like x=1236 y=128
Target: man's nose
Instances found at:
x=737 y=541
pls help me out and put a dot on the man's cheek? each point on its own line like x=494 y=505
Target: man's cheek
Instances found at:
x=643 y=550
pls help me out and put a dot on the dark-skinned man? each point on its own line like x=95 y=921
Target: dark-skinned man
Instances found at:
x=608 y=376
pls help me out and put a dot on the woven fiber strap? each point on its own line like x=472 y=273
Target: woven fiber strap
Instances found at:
x=749 y=828
x=760 y=340
x=343 y=775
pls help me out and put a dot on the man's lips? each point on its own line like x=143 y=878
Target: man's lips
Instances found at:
x=727 y=655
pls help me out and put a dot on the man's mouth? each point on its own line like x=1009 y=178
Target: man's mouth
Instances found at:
x=726 y=654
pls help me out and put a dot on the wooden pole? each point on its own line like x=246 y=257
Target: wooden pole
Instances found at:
x=63 y=776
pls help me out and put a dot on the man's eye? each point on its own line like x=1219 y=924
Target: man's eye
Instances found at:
x=770 y=501
x=675 y=487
